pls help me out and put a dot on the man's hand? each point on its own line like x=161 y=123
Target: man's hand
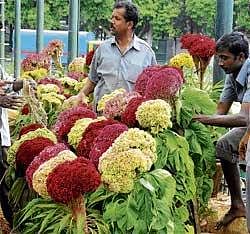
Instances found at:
x=202 y=118
x=75 y=100
x=11 y=101
x=243 y=146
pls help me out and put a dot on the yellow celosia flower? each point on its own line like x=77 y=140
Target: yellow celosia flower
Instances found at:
x=154 y=115
x=41 y=174
x=135 y=138
x=35 y=74
x=182 y=60
x=119 y=170
x=77 y=65
x=68 y=81
x=107 y=97
x=48 y=88
x=40 y=132
x=52 y=98
x=76 y=132
x=80 y=85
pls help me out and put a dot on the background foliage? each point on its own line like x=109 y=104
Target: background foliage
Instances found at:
x=160 y=17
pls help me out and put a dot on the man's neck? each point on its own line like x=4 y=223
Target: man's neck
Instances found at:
x=125 y=40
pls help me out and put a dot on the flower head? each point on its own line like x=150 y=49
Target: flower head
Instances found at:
x=154 y=115
x=71 y=179
x=104 y=140
x=35 y=61
x=164 y=84
x=119 y=170
x=89 y=135
x=29 y=128
x=182 y=60
x=128 y=116
x=41 y=174
x=29 y=149
x=77 y=65
x=47 y=153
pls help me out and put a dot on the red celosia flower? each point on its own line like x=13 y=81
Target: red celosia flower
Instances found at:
x=198 y=45
x=142 y=80
x=89 y=57
x=67 y=119
x=104 y=140
x=25 y=109
x=164 y=84
x=77 y=75
x=71 y=179
x=29 y=128
x=52 y=80
x=29 y=149
x=43 y=156
x=128 y=116
x=35 y=61
x=89 y=135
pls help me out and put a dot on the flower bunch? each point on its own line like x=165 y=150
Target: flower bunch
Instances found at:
x=89 y=135
x=116 y=105
x=76 y=132
x=68 y=86
x=202 y=48
x=154 y=115
x=40 y=176
x=52 y=99
x=35 y=75
x=135 y=138
x=40 y=132
x=54 y=48
x=35 y=61
x=71 y=179
x=164 y=84
x=43 y=156
x=104 y=140
x=47 y=88
x=198 y=45
x=89 y=57
x=80 y=85
x=128 y=116
x=182 y=60
x=67 y=119
x=77 y=65
x=29 y=128
x=77 y=75
x=119 y=170
x=144 y=77
x=29 y=149
x=25 y=109
x=101 y=104
x=51 y=80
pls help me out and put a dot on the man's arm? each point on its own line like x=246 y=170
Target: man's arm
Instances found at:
x=221 y=118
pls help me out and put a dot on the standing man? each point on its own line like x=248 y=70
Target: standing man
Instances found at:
x=233 y=52
x=118 y=61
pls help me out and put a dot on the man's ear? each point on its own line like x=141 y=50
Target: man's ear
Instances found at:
x=130 y=24
x=242 y=56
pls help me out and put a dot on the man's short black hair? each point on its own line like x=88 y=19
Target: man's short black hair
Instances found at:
x=235 y=43
x=131 y=11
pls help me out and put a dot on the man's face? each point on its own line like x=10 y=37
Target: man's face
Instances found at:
x=118 y=24
x=229 y=62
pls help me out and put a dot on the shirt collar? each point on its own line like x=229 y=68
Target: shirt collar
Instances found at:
x=135 y=42
x=244 y=72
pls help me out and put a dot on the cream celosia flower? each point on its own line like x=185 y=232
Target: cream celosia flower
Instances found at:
x=77 y=65
x=76 y=132
x=119 y=170
x=41 y=174
x=79 y=85
x=107 y=97
x=135 y=138
x=52 y=98
x=48 y=88
x=154 y=115
x=182 y=60
x=40 y=132
x=68 y=81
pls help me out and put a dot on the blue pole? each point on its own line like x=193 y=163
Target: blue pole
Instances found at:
x=17 y=41
x=40 y=23
x=73 y=30
x=2 y=35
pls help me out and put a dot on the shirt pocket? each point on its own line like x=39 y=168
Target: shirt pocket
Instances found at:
x=133 y=71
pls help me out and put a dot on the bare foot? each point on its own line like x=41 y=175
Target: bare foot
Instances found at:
x=231 y=215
